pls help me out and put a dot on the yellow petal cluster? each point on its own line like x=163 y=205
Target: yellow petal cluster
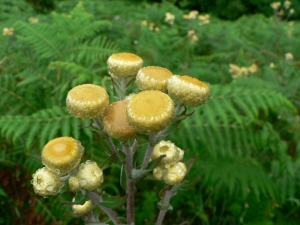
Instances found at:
x=172 y=153
x=188 y=90
x=84 y=209
x=153 y=78
x=74 y=185
x=45 y=182
x=150 y=111
x=115 y=121
x=90 y=175
x=62 y=154
x=87 y=101
x=124 y=64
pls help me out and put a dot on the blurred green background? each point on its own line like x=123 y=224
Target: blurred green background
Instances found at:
x=246 y=136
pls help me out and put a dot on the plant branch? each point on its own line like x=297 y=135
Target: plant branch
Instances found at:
x=165 y=206
x=111 y=214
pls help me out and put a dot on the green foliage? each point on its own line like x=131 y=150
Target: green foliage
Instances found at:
x=246 y=135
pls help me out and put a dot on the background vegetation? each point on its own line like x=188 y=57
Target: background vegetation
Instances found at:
x=246 y=137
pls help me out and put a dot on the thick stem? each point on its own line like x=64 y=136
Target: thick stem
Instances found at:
x=130 y=186
x=107 y=138
x=152 y=142
x=109 y=212
x=166 y=203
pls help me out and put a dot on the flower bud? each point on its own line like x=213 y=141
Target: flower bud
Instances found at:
x=84 y=209
x=115 y=121
x=45 y=182
x=124 y=64
x=62 y=154
x=188 y=90
x=153 y=78
x=90 y=176
x=74 y=185
x=150 y=111
x=172 y=152
x=158 y=173
x=87 y=101
x=175 y=174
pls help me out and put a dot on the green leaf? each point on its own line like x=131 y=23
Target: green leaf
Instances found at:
x=112 y=202
x=107 y=162
x=155 y=162
x=138 y=174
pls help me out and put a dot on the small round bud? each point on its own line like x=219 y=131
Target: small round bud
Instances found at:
x=74 y=185
x=175 y=173
x=150 y=111
x=153 y=78
x=62 y=154
x=45 y=182
x=188 y=90
x=158 y=173
x=172 y=152
x=124 y=64
x=90 y=176
x=115 y=121
x=84 y=209
x=87 y=101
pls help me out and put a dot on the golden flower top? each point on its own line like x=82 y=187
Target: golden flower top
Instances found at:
x=115 y=121
x=90 y=175
x=169 y=18
x=275 y=5
x=124 y=64
x=33 y=20
x=289 y=56
x=192 y=15
x=188 y=90
x=84 y=209
x=8 y=31
x=287 y=4
x=87 y=101
x=172 y=152
x=204 y=19
x=62 y=155
x=45 y=182
x=150 y=111
x=153 y=78
x=175 y=174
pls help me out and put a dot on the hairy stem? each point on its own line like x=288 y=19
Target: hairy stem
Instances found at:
x=152 y=142
x=111 y=214
x=166 y=203
x=107 y=138
x=130 y=186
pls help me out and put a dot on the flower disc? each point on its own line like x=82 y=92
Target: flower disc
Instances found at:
x=153 y=78
x=124 y=64
x=87 y=101
x=188 y=90
x=62 y=155
x=115 y=121
x=150 y=111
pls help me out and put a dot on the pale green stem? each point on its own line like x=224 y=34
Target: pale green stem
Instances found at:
x=166 y=203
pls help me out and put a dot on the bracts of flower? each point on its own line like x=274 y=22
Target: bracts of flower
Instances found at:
x=151 y=113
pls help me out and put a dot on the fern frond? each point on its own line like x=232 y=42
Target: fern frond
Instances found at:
x=45 y=124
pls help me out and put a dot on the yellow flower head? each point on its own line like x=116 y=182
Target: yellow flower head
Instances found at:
x=153 y=78
x=188 y=90
x=158 y=173
x=87 y=101
x=175 y=174
x=115 y=121
x=45 y=182
x=124 y=64
x=8 y=31
x=62 y=155
x=90 y=175
x=84 y=209
x=172 y=152
x=150 y=111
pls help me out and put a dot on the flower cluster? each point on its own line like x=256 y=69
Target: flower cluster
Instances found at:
x=237 y=71
x=152 y=26
x=169 y=18
x=170 y=170
x=8 y=31
x=192 y=36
